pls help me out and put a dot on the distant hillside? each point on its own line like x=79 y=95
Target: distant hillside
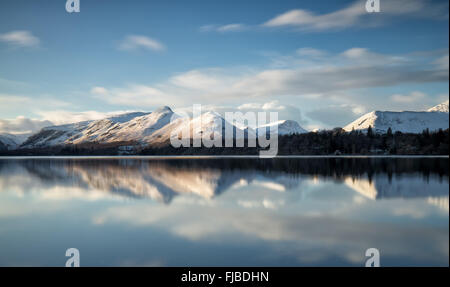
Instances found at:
x=406 y=122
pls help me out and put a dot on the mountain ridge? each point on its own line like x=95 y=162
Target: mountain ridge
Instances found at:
x=433 y=119
x=139 y=128
x=155 y=128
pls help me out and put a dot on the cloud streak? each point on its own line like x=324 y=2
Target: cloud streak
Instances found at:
x=20 y=38
x=351 y=16
x=356 y=15
x=22 y=125
x=410 y=98
x=303 y=75
x=136 y=42
x=234 y=27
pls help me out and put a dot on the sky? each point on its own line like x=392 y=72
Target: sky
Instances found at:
x=321 y=63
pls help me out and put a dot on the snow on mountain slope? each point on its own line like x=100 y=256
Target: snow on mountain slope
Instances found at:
x=209 y=125
x=104 y=130
x=156 y=128
x=443 y=108
x=285 y=127
x=212 y=123
x=142 y=128
x=122 y=118
x=433 y=119
x=12 y=141
x=138 y=128
x=406 y=122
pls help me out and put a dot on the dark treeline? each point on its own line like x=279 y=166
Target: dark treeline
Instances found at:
x=336 y=142
x=333 y=142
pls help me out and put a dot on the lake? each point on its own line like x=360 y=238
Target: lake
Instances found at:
x=224 y=211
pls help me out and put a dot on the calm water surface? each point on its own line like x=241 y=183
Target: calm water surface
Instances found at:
x=214 y=212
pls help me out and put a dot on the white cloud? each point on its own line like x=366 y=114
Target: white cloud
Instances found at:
x=410 y=98
x=22 y=125
x=356 y=15
x=134 y=96
x=234 y=27
x=208 y=28
x=7 y=100
x=10 y=103
x=356 y=53
x=442 y=62
x=60 y=117
x=47 y=118
x=20 y=39
x=285 y=111
x=310 y=52
x=101 y=91
x=209 y=79
x=329 y=76
x=135 y=42
x=331 y=116
x=230 y=27
x=308 y=79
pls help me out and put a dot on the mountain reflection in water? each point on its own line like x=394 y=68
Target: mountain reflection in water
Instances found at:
x=162 y=180
x=190 y=212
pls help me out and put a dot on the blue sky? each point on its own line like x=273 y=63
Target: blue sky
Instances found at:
x=322 y=63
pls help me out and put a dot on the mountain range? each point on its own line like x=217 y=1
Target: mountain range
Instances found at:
x=155 y=128
x=433 y=119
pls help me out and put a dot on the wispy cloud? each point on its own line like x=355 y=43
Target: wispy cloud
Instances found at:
x=410 y=98
x=310 y=75
x=12 y=105
x=230 y=27
x=135 y=95
x=22 y=124
x=353 y=15
x=135 y=42
x=234 y=27
x=356 y=15
x=308 y=78
x=20 y=39
x=60 y=117
x=100 y=91
x=310 y=52
x=442 y=62
x=331 y=115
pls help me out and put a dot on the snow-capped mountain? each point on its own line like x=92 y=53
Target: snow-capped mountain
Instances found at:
x=130 y=127
x=155 y=128
x=12 y=141
x=407 y=122
x=442 y=108
x=285 y=127
x=209 y=125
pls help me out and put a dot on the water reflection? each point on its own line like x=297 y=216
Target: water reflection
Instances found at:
x=225 y=211
x=162 y=180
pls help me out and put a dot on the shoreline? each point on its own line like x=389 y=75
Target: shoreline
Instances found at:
x=193 y=157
